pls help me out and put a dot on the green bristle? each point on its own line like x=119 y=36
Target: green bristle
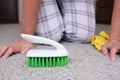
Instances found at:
x=36 y=62
x=29 y=61
x=47 y=61
x=32 y=62
x=58 y=62
x=62 y=61
x=53 y=61
x=39 y=62
x=50 y=62
x=43 y=62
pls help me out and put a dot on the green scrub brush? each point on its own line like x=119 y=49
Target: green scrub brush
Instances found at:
x=46 y=58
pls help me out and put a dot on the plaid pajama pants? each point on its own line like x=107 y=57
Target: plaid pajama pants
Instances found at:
x=72 y=20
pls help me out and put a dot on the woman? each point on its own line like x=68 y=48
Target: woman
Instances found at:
x=72 y=20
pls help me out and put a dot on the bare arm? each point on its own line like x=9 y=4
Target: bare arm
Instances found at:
x=115 y=24
x=113 y=44
x=30 y=9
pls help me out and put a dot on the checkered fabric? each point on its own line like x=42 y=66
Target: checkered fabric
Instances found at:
x=50 y=23
x=79 y=19
x=73 y=19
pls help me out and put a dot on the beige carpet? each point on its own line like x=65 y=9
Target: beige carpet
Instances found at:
x=85 y=62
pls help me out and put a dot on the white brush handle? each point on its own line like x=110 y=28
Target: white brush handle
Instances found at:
x=37 y=39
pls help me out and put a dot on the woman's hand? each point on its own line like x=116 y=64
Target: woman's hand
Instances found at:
x=112 y=47
x=21 y=46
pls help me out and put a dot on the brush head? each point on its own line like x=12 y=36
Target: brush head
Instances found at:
x=47 y=58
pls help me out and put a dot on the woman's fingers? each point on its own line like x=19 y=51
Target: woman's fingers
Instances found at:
x=104 y=49
x=3 y=49
x=7 y=53
x=113 y=52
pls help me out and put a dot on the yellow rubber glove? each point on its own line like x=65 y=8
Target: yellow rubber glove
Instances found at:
x=104 y=34
x=98 y=40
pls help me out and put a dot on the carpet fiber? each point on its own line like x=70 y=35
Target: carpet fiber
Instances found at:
x=85 y=62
